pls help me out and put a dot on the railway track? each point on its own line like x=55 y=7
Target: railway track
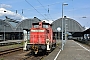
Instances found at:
x=34 y=57
x=19 y=54
x=10 y=51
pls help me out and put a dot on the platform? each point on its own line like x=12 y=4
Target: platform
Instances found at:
x=72 y=51
x=10 y=41
x=5 y=45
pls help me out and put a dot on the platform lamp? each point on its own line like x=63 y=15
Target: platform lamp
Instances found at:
x=63 y=4
x=58 y=29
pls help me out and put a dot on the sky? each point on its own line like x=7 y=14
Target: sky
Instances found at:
x=46 y=10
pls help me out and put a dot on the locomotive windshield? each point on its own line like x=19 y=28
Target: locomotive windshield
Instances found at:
x=44 y=25
x=36 y=26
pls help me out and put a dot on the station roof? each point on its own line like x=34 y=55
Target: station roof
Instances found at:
x=11 y=25
x=87 y=31
x=12 y=22
x=71 y=25
x=27 y=23
x=18 y=26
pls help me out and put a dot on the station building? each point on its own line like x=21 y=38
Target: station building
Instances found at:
x=11 y=29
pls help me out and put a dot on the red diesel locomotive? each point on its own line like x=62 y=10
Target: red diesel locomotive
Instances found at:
x=41 y=38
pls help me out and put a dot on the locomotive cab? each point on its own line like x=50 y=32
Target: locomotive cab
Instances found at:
x=41 y=37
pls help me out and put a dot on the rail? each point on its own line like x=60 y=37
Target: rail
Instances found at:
x=10 y=51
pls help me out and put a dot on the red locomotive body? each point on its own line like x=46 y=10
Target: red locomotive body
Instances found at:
x=41 y=37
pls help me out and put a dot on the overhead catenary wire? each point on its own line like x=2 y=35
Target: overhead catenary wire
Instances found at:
x=45 y=8
x=35 y=9
x=42 y=6
x=51 y=5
